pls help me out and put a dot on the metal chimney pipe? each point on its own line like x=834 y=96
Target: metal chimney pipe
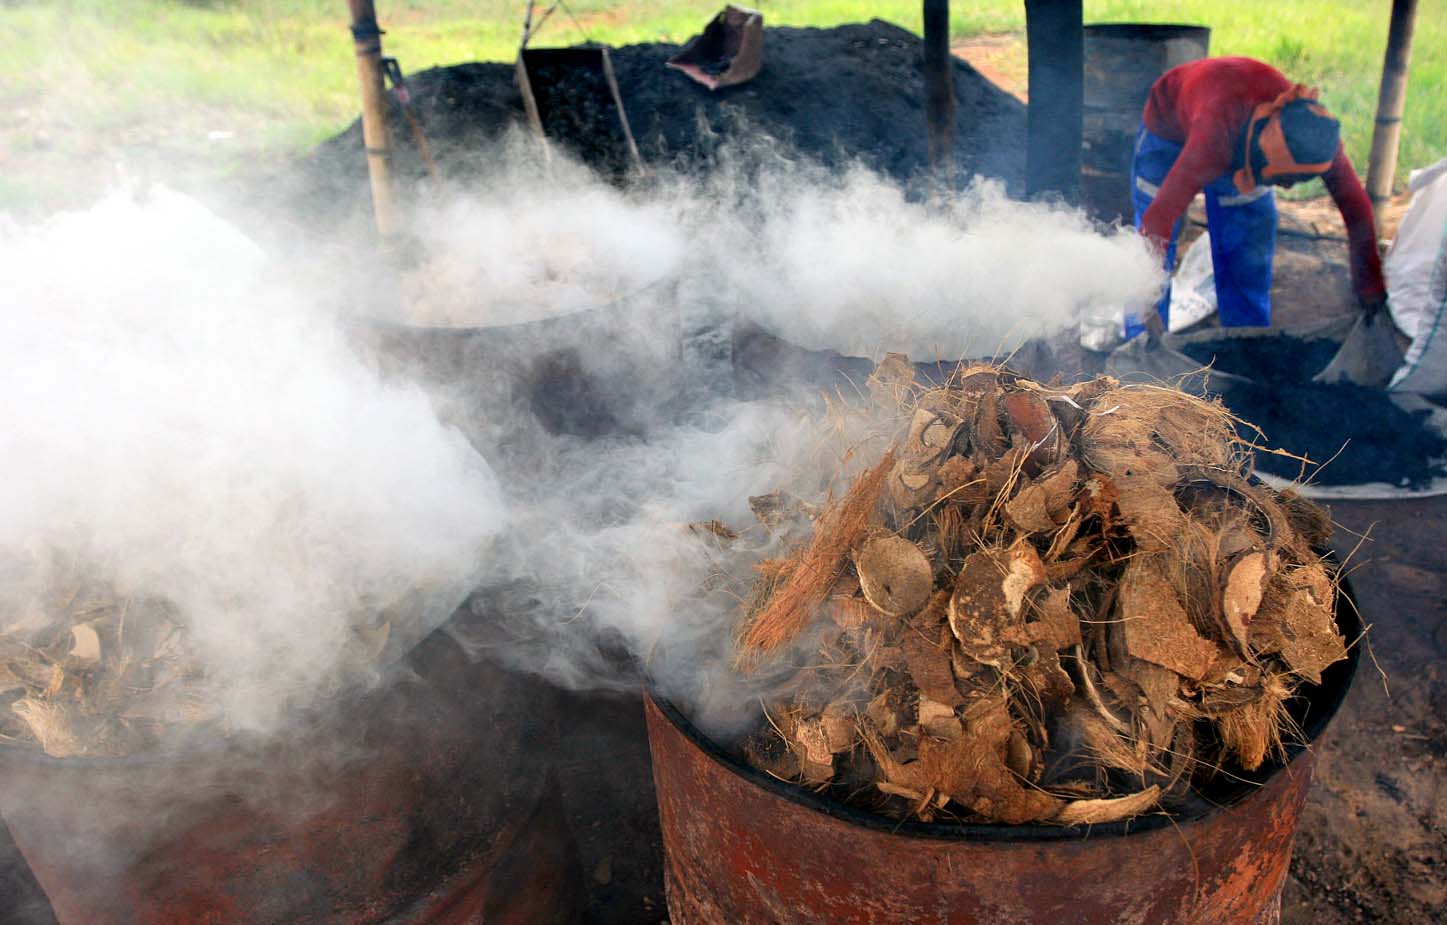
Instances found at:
x=939 y=85
x=1054 y=34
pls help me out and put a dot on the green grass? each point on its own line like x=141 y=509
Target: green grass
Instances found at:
x=89 y=84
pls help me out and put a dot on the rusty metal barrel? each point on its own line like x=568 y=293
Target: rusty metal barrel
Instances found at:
x=1122 y=60
x=743 y=847
x=425 y=800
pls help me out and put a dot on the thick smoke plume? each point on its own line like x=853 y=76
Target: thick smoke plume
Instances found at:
x=187 y=424
x=188 y=414
x=601 y=558
x=846 y=261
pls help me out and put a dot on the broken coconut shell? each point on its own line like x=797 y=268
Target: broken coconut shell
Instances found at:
x=1245 y=586
x=1155 y=626
x=986 y=609
x=1297 y=621
x=894 y=575
x=1034 y=424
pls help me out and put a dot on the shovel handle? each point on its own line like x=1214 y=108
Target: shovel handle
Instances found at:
x=1155 y=327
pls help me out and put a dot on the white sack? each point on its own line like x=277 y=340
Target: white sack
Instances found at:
x=1416 y=269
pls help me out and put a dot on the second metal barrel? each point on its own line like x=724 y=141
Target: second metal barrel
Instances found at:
x=1122 y=60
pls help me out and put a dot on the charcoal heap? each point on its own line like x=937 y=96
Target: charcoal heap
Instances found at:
x=1039 y=604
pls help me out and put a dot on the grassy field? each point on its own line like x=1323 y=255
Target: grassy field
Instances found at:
x=90 y=88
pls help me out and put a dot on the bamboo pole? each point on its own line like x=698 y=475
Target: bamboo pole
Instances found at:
x=939 y=87
x=368 y=40
x=1387 y=132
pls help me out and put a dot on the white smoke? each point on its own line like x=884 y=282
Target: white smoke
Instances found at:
x=532 y=240
x=180 y=416
x=186 y=411
x=843 y=261
x=849 y=264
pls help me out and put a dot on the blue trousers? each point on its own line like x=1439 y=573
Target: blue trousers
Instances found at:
x=1243 y=236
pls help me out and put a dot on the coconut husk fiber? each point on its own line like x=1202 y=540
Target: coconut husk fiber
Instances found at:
x=1038 y=604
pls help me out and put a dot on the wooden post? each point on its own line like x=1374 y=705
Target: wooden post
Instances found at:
x=1055 y=38
x=939 y=85
x=368 y=39
x=1390 y=101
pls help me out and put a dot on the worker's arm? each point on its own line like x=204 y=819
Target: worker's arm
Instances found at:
x=1205 y=157
x=1356 y=212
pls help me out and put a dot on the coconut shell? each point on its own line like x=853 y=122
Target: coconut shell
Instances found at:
x=1057 y=626
x=1155 y=626
x=1029 y=511
x=928 y=664
x=986 y=609
x=1033 y=423
x=1245 y=585
x=895 y=576
x=1297 y=620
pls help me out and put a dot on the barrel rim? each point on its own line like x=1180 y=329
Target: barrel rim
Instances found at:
x=1322 y=703
x=1154 y=31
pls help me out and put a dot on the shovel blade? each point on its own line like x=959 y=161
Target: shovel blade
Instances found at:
x=1141 y=360
x=728 y=52
x=1368 y=357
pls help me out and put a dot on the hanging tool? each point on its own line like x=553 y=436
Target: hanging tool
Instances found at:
x=403 y=96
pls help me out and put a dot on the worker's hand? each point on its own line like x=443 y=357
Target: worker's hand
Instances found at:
x=1372 y=305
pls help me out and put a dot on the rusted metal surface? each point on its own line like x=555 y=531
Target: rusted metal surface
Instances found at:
x=743 y=847
x=422 y=801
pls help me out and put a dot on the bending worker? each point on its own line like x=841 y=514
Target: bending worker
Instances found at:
x=1235 y=128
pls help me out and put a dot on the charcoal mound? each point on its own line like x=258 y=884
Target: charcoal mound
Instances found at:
x=849 y=94
x=1371 y=438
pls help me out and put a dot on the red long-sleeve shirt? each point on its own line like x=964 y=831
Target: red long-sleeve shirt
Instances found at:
x=1204 y=105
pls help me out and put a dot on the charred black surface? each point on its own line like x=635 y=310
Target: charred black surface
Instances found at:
x=841 y=95
x=1371 y=438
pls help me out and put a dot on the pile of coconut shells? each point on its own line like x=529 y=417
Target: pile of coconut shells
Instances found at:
x=90 y=668
x=1039 y=604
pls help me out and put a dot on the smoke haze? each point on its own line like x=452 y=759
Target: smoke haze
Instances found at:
x=191 y=427
x=191 y=416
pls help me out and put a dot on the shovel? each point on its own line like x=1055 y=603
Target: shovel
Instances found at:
x=1146 y=357
x=728 y=52
x=1368 y=357
x=1143 y=359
